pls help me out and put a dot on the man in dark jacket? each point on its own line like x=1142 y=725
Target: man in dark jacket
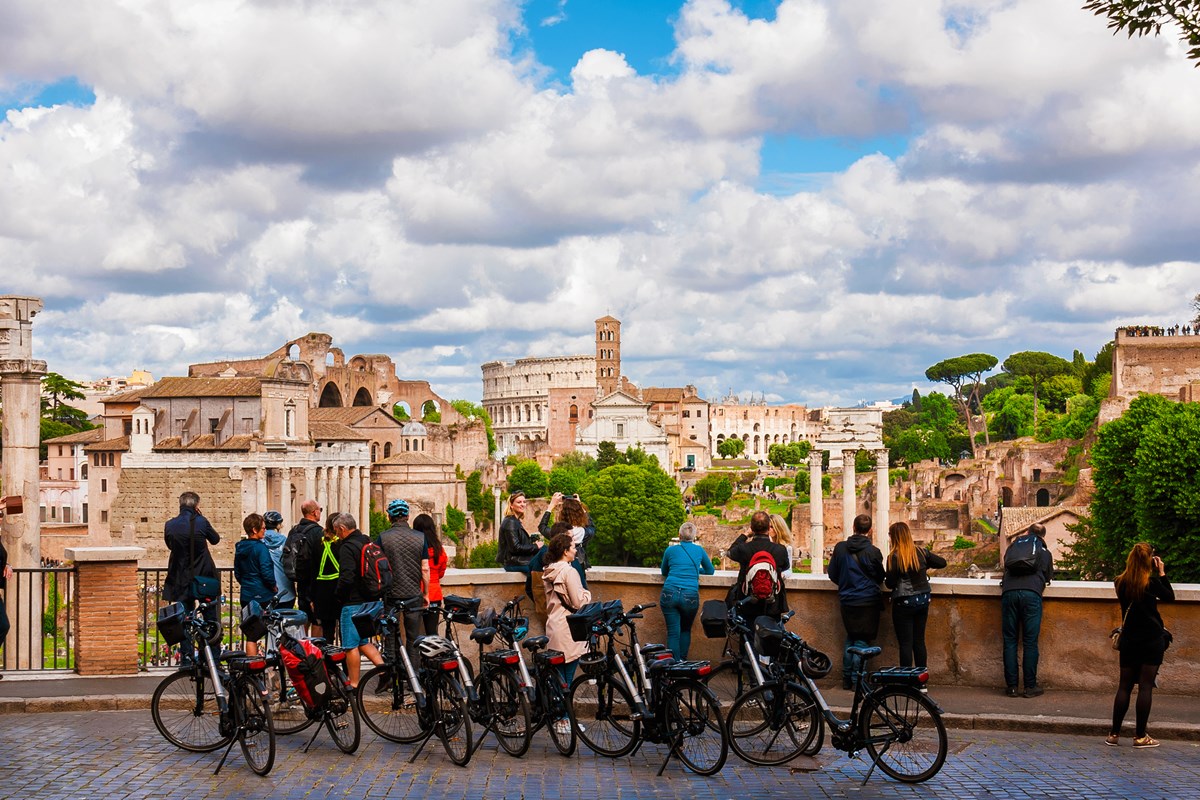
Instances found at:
x=1021 y=611
x=310 y=532
x=409 y=558
x=743 y=551
x=856 y=566
x=349 y=594
x=187 y=537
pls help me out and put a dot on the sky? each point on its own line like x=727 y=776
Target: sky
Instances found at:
x=808 y=200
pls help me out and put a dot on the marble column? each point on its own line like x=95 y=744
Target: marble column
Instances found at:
x=849 y=506
x=319 y=493
x=343 y=490
x=816 y=514
x=260 y=489
x=310 y=484
x=882 y=500
x=285 y=496
x=364 y=493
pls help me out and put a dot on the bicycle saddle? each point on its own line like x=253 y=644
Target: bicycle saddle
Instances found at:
x=483 y=635
x=864 y=652
x=536 y=643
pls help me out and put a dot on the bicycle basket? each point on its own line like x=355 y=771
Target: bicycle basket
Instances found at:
x=585 y=619
x=461 y=609
x=254 y=627
x=593 y=664
x=814 y=663
x=714 y=619
x=170 y=623
x=768 y=636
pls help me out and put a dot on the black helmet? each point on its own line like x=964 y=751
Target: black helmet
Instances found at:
x=273 y=519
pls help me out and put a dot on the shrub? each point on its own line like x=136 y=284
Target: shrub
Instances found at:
x=963 y=543
x=484 y=556
x=528 y=477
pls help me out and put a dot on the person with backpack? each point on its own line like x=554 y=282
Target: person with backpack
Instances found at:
x=326 y=609
x=1028 y=568
x=907 y=576
x=856 y=566
x=409 y=558
x=301 y=555
x=682 y=566
x=761 y=567
x=275 y=541
x=564 y=595
x=361 y=565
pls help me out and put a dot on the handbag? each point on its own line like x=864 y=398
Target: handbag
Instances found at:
x=1115 y=636
x=202 y=587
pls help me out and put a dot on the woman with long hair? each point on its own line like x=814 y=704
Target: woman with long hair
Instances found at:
x=564 y=595
x=438 y=561
x=907 y=575
x=1143 y=639
x=516 y=546
x=781 y=532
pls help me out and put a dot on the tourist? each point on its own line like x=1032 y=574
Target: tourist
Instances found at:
x=564 y=595
x=326 y=610
x=582 y=528
x=408 y=556
x=908 y=579
x=516 y=546
x=1143 y=640
x=438 y=559
x=275 y=540
x=6 y=572
x=682 y=566
x=350 y=595
x=856 y=566
x=1021 y=610
x=253 y=569
x=781 y=532
x=187 y=537
x=304 y=543
x=743 y=551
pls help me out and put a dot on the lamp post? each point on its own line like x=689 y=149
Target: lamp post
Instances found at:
x=496 y=521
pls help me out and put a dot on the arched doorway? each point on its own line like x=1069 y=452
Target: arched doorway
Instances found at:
x=1006 y=496
x=1043 y=497
x=331 y=396
x=363 y=398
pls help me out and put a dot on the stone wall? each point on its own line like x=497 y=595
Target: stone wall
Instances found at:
x=1164 y=365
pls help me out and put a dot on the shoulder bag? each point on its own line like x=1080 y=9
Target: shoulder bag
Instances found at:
x=203 y=588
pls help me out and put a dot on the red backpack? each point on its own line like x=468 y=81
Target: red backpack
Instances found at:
x=374 y=570
x=762 y=577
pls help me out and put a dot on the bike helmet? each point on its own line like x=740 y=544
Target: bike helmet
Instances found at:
x=397 y=508
x=434 y=647
x=273 y=519
x=815 y=664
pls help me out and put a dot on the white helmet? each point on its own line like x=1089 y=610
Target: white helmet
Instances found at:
x=434 y=647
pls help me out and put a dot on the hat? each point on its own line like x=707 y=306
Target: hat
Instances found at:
x=687 y=532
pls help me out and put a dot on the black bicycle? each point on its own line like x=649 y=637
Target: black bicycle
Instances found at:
x=202 y=707
x=316 y=670
x=287 y=711
x=503 y=706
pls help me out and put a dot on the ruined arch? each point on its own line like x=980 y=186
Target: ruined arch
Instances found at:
x=1043 y=497
x=331 y=396
x=363 y=398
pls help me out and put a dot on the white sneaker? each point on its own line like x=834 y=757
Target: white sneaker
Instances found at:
x=562 y=727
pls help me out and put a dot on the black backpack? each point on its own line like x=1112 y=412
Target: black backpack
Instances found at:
x=295 y=553
x=375 y=571
x=1021 y=557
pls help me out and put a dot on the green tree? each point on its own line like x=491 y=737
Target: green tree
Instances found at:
x=607 y=455
x=377 y=521
x=1010 y=413
x=938 y=413
x=57 y=390
x=1143 y=17
x=528 y=477
x=479 y=501
x=637 y=511
x=566 y=479
x=52 y=430
x=1038 y=367
x=430 y=413
x=731 y=447
x=918 y=444
x=791 y=454
x=400 y=412
x=713 y=490
x=578 y=460
x=469 y=410
x=960 y=373
x=455 y=524
x=1059 y=389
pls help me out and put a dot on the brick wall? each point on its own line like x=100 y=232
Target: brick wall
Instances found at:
x=106 y=617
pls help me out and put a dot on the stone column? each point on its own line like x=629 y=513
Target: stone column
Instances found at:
x=310 y=484
x=848 y=493
x=816 y=514
x=105 y=620
x=285 y=496
x=343 y=490
x=364 y=494
x=260 y=489
x=882 y=500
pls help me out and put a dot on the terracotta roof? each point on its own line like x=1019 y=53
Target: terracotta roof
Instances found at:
x=655 y=394
x=334 y=432
x=131 y=396
x=80 y=437
x=413 y=458
x=238 y=443
x=346 y=416
x=120 y=443
x=1015 y=519
x=205 y=387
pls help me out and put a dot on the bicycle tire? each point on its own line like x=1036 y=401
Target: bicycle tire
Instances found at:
x=726 y=682
x=451 y=719
x=903 y=732
x=189 y=721
x=389 y=707
x=695 y=727
x=773 y=723
x=343 y=725
x=256 y=733
x=564 y=737
x=602 y=715
x=506 y=709
x=288 y=714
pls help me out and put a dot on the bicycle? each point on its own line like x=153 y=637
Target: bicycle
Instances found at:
x=503 y=706
x=663 y=702
x=234 y=708
x=740 y=668
x=900 y=728
x=287 y=712
x=325 y=691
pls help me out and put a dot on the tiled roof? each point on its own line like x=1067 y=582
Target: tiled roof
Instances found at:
x=120 y=443
x=334 y=432
x=413 y=458
x=655 y=394
x=80 y=437
x=346 y=416
x=238 y=443
x=205 y=387
x=131 y=396
x=1015 y=519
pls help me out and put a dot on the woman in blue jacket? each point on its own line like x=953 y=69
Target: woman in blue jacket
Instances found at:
x=253 y=569
x=682 y=566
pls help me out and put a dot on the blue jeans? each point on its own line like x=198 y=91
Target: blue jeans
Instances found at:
x=1021 y=617
x=679 y=607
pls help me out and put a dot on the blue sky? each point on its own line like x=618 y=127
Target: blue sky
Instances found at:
x=810 y=199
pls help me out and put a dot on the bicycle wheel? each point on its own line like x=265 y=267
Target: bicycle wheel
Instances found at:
x=562 y=732
x=287 y=712
x=506 y=710
x=256 y=735
x=695 y=727
x=451 y=718
x=726 y=682
x=184 y=708
x=772 y=724
x=341 y=715
x=389 y=707
x=904 y=734
x=602 y=716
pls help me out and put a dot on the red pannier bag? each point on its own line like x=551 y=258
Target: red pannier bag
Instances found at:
x=305 y=664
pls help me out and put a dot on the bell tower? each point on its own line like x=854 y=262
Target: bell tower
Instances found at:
x=608 y=354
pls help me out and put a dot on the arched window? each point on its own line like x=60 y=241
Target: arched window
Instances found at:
x=374 y=451
x=573 y=417
x=387 y=450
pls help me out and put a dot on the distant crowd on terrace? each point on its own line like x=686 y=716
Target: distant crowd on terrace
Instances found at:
x=1157 y=330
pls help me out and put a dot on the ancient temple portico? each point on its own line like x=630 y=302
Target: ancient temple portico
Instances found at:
x=846 y=431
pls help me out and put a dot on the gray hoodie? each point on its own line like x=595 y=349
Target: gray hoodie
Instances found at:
x=274 y=540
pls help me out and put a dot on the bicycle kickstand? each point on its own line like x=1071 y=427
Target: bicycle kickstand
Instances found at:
x=225 y=755
x=676 y=743
x=429 y=734
x=320 y=724
x=875 y=762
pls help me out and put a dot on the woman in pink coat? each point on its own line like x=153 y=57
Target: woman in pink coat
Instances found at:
x=564 y=595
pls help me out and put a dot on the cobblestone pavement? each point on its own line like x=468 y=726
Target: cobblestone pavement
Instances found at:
x=113 y=755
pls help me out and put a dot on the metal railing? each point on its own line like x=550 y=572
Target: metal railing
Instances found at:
x=152 y=650
x=40 y=602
